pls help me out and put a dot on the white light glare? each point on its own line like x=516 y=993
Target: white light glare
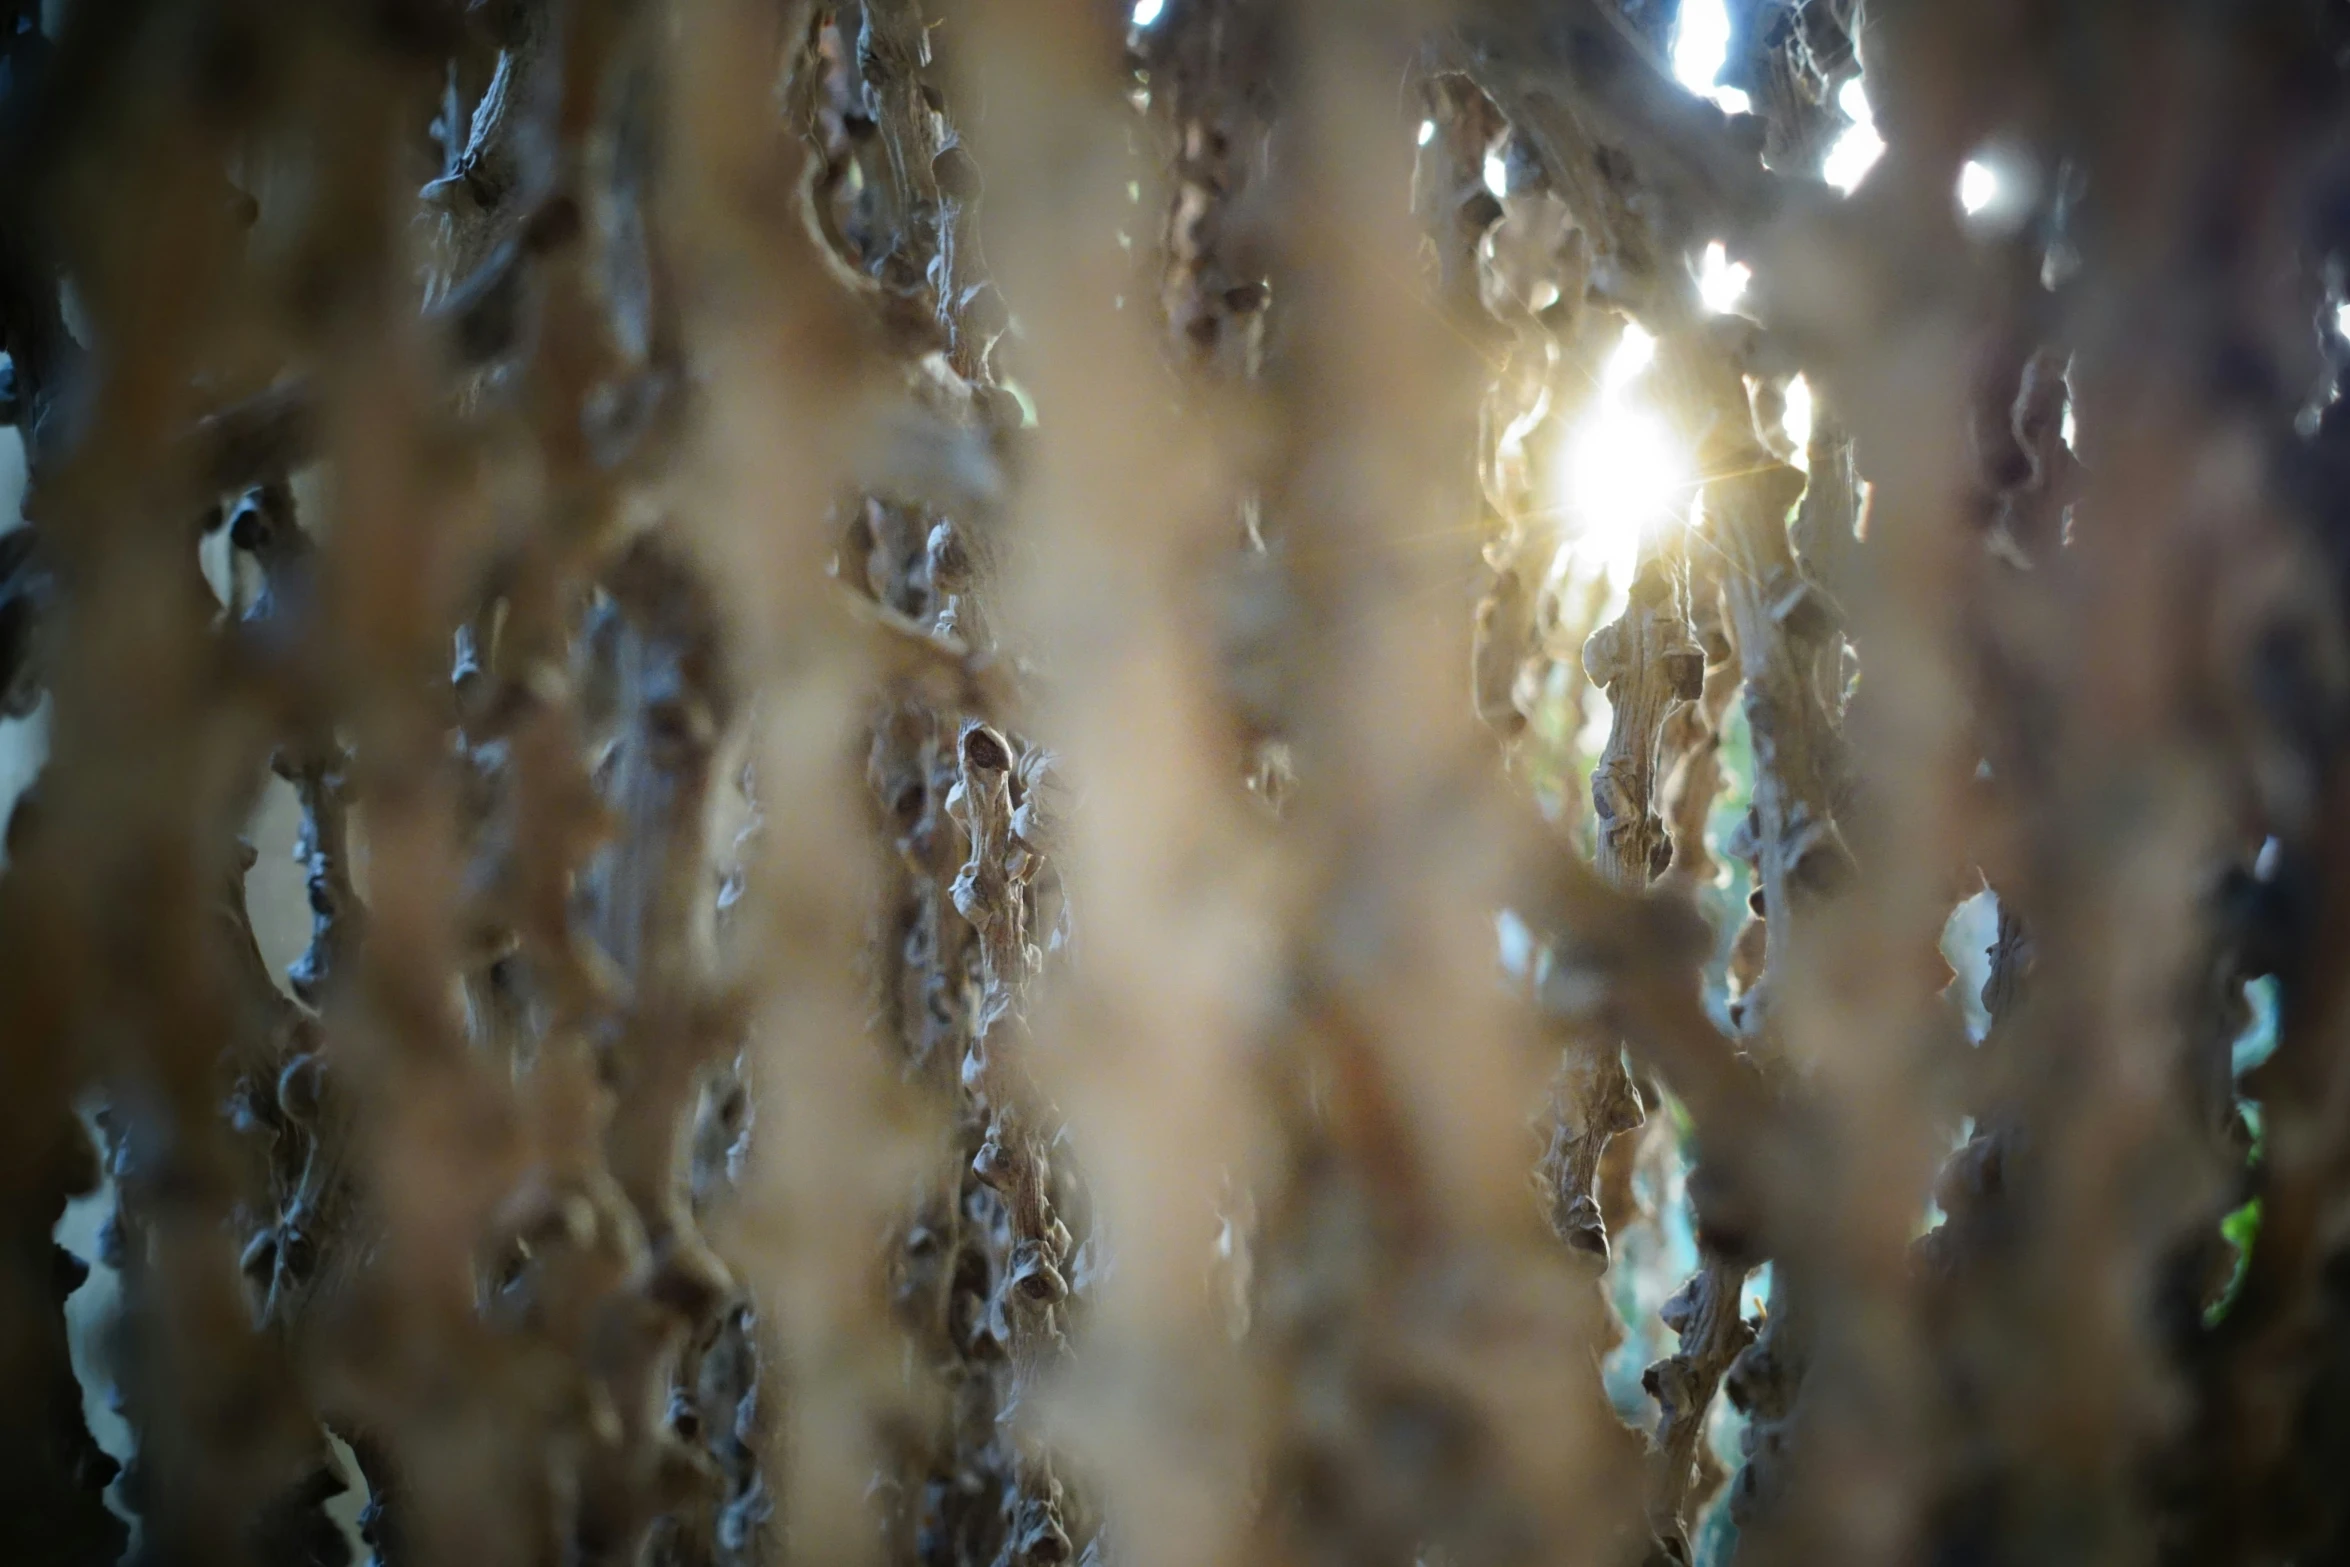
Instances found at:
x=1427 y=132
x=1497 y=174
x=1624 y=475
x=2342 y=320
x=1147 y=11
x=1795 y=419
x=1978 y=187
x=1720 y=281
x=1860 y=146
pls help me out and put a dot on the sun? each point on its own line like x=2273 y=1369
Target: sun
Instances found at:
x=1625 y=473
x=1625 y=477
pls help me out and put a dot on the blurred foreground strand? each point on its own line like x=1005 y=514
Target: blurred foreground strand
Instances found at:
x=909 y=658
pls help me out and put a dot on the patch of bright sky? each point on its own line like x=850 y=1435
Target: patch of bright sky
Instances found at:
x=1720 y=281
x=1497 y=174
x=1147 y=11
x=1517 y=944
x=1967 y=937
x=1700 y=44
x=2342 y=319
x=2259 y=1040
x=1860 y=146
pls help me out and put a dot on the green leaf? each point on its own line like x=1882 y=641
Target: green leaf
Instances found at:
x=2239 y=1229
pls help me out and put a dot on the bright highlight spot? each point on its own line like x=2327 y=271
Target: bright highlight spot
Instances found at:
x=1701 y=43
x=1634 y=352
x=2342 y=320
x=1624 y=474
x=1427 y=132
x=1978 y=187
x=1860 y=146
x=1733 y=100
x=1795 y=420
x=1147 y=11
x=1721 y=281
x=1497 y=174
x=1624 y=477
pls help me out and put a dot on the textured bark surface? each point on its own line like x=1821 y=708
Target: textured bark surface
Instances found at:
x=984 y=785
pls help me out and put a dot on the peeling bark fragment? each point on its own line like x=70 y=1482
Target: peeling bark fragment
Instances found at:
x=1778 y=622
x=1691 y=742
x=984 y=890
x=1707 y=1314
x=1504 y=632
x=1649 y=666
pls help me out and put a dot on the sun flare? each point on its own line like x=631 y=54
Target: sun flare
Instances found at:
x=1623 y=476
x=1624 y=480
